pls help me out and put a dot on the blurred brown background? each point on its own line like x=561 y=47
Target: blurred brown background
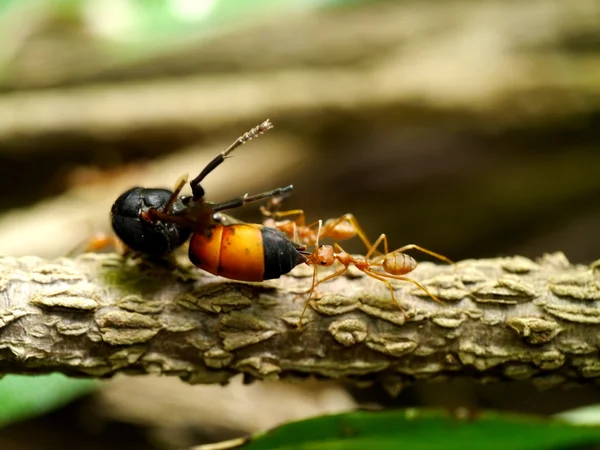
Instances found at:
x=470 y=128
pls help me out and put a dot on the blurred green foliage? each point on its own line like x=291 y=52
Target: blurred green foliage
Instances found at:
x=123 y=31
x=159 y=20
x=411 y=429
x=23 y=397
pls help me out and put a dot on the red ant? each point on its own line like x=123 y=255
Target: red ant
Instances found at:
x=99 y=242
x=339 y=229
x=395 y=264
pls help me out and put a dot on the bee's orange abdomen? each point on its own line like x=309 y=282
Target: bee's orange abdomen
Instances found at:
x=245 y=252
x=234 y=251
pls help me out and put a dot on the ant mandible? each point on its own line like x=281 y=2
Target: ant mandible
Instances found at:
x=155 y=222
x=339 y=229
x=395 y=264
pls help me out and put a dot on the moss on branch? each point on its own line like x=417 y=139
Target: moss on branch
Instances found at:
x=504 y=318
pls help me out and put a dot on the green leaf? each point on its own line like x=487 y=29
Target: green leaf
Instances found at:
x=22 y=397
x=426 y=430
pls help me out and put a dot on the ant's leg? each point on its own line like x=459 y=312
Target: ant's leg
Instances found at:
x=299 y=213
x=298 y=221
x=272 y=206
x=240 y=201
x=410 y=280
x=271 y=209
x=296 y=235
x=100 y=242
x=314 y=285
x=332 y=276
x=390 y=287
x=359 y=229
x=271 y=217
x=197 y=190
x=93 y=244
x=380 y=239
x=316 y=269
x=311 y=291
x=314 y=281
x=424 y=250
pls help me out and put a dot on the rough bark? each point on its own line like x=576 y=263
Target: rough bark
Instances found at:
x=504 y=318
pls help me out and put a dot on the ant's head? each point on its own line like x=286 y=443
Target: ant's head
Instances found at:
x=153 y=238
x=323 y=256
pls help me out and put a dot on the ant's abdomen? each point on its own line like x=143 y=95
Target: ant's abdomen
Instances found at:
x=399 y=263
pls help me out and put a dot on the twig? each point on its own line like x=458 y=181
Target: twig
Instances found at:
x=97 y=315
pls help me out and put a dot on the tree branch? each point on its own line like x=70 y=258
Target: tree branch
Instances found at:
x=504 y=318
